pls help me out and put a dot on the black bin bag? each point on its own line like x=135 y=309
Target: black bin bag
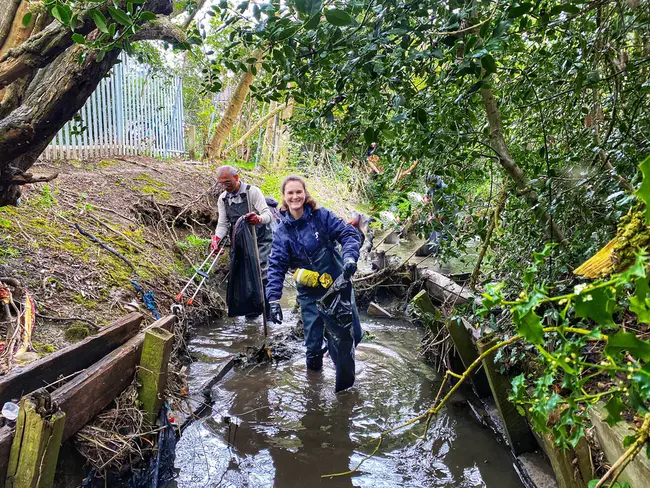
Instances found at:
x=336 y=309
x=245 y=295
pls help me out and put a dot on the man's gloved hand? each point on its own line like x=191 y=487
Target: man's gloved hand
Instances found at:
x=275 y=312
x=252 y=218
x=349 y=268
x=214 y=243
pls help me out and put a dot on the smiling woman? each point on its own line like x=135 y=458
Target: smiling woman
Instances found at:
x=306 y=239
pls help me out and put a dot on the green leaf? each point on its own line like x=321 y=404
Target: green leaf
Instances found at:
x=614 y=408
x=596 y=305
x=288 y=32
x=369 y=135
x=120 y=16
x=62 y=13
x=78 y=38
x=489 y=64
x=421 y=116
x=639 y=303
x=27 y=18
x=519 y=10
x=309 y=7
x=502 y=27
x=644 y=190
x=627 y=341
x=147 y=16
x=641 y=382
x=99 y=20
x=529 y=325
x=313 y=22
x=338 y=17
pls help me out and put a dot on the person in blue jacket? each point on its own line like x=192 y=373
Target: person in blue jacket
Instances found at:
x=306 y=238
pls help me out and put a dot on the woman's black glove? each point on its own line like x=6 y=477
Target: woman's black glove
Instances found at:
x=349 y=268
x=276 y=312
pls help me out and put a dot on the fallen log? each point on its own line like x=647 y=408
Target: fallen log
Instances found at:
x=69 y=360
x=444 y=290
x=91 y=391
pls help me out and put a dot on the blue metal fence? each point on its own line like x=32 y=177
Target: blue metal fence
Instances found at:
x=132 y=111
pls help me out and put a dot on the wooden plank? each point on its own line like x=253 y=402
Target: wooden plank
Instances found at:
x=91 y=391
x=518 y=432
x=445 y=290
x=68 y=360
x=376 y=310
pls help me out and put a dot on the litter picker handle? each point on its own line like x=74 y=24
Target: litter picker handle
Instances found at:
x=261 y=282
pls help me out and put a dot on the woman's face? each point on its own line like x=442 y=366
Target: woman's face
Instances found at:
x=294 y=195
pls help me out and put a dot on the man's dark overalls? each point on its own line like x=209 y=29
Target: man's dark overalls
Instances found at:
x=237 y=205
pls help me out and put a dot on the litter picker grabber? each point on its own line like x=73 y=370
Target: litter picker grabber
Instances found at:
x=204 y=275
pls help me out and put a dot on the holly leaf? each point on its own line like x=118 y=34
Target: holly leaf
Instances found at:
x=519 y=10
x=644 y=190
x=627 y=341
x=614 y=408
x=529 y=325
x=639 y=303
x=502 y=27
x=78 y=38
x=641 y=381
x=421 y=116
x=309 y=7
x=313 y=22
x=147 y=16
x=596 y=305
x=338 y=17
x=637 y=270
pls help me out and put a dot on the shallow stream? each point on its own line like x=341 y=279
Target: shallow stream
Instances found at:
x=281 y=426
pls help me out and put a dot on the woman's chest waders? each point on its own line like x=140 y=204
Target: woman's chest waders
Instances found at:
x=326 y=259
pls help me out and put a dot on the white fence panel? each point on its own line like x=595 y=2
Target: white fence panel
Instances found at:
x=132 y=111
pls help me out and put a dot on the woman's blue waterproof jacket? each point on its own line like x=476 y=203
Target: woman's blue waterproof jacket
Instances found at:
x=300 y=243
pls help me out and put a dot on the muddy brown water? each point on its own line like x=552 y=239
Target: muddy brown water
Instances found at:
x=281 y=426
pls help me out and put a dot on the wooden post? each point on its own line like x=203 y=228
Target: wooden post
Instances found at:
x=462 y=339
x=191 y=141
x=35 y=449
x=152 y=372
x=519 y=435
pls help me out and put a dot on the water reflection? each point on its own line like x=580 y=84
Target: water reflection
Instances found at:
x=284 y=427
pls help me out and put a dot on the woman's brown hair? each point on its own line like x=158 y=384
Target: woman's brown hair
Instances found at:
x=309 y=200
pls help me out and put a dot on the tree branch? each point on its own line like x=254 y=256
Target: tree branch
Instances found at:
x=255 y=126
x=161 y=29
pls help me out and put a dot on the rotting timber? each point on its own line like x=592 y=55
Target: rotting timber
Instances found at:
x=84 y=396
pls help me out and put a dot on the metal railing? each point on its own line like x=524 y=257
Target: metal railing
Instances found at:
x=132 y=111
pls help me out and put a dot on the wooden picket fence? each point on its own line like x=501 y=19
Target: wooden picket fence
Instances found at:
x=132 y=111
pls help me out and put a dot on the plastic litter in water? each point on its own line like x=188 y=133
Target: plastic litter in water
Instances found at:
x=10 y=411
